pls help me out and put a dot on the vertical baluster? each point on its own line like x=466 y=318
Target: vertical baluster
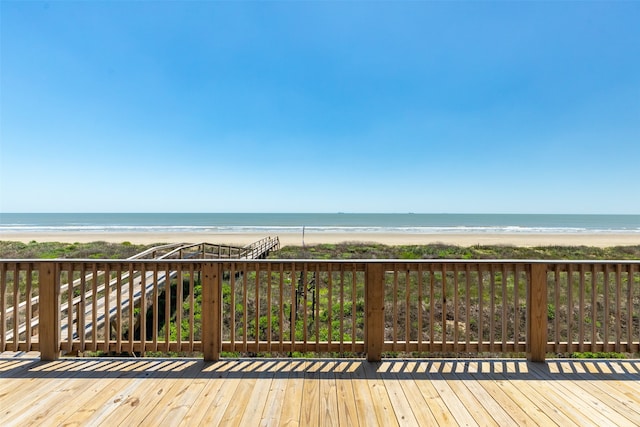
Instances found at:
x=443 y=297
x=232 y=305
x=353 y=307
x=594 y=317
x=342 y=308
x=269 y=305
x=492 y=308
x=395 y=307
x=467 y=273
x=456 y=308
x=179 y=302
x=82 y=311
x=28 y=307
x=407 y=305
x=192 y=300
x=155 y=308
x=245 y=306
x=293 y=308
x=167 y=307
x=630 y=283
x=432 y=310
x=143 y=309
x=70 y=308
x=420 y=297
x=504 y=307
x=257 y=314
x=581 y=306
x=570 y=308
x=618 y=307
x=107 y=314
x=305 y=316
x=132 y=306
x=281 y=310
x=119 y=302
x=556 y=298
x=16 y=306
x=94 y=308
x=606 y=321
x=516 y=308
x=480 y=308
x=316 y=303
x=330 y=305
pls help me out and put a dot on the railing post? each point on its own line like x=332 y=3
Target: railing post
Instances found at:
x=49 y=325
x=374 y=295
x=211 y=310
x=537 y=314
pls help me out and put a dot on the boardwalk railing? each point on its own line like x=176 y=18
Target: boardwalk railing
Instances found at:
x=372 y=307
x=205 y=250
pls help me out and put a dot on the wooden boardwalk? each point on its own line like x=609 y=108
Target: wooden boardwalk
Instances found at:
x=346 y=392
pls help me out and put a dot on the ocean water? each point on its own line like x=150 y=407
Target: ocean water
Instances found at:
x=318 y=223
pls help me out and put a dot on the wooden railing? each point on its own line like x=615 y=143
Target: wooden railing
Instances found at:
x=261 y=248
x=372 y=307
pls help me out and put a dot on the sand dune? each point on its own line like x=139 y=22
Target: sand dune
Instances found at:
x=568 y=239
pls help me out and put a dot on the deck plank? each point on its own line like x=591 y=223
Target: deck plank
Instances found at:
x=208 y=400
x=318 y=392
x=593 y=411
x=290 y=415
x=383 y=407
x=310 y=409
x=139 y=396
x=598 y=390
x=475 y=386
x=430 y=394
x=544 y=404
x=104 y=396
x=346 y=398
x=259 y=395
x=399 y=400
x=44 y=384
x=328 y=415
x=407 y=380
x=272 y=411
x=457 y=408
x=216 y=407
x=362 y=394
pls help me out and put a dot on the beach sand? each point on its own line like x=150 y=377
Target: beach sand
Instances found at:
x=296 y=239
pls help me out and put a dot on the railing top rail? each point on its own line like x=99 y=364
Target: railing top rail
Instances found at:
x=155 y=249
x=326 y=261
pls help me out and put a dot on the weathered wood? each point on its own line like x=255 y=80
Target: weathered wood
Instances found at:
x=537 y=313
x=49 y=311
x=374 y=290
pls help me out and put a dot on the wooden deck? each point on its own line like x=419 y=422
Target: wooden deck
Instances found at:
x=347 y=392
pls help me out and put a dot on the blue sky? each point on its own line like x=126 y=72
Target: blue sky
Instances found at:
x=471 y=107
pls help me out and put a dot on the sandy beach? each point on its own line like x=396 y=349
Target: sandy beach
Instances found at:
x=296 y=239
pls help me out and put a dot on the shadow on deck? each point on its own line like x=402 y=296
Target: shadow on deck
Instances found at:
x=305 y=392
x=416 y=369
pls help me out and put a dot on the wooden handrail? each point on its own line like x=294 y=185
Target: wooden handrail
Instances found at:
x=368 y=307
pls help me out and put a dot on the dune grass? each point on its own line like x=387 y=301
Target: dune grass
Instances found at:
x=349 y=250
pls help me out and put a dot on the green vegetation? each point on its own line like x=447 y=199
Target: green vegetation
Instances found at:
x=104 y=250
x=441 y=251
x=311 y=302
x=51 y=250
x=598 y=355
